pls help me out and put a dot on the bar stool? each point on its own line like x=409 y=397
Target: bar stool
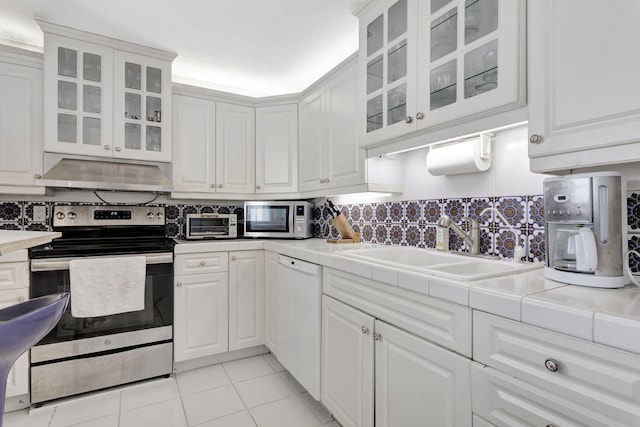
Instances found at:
x=23 y=325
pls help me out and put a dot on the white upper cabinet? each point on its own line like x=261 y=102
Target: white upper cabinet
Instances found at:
x=20 y=122
x=429 y=64
x=277 y=149
x=235 y=148
x=105 y=97
x=329 y=153
x=194 y=144
x=142 y=130
x=584 y=85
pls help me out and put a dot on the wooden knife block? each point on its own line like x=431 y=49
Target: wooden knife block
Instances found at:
x=346 y=231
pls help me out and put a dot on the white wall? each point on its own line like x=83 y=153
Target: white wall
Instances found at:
x=508 y=175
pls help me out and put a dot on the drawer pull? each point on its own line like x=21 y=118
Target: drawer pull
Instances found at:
x=20 y=299
x=203 y=263
x=377 y=336
x=550 y=425
x=551 y=365
x=179 y=284
x=364 y=330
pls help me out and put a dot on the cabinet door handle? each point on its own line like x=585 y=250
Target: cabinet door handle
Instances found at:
x=550 y=425
x=203 y=263
x=219 y=185
x=551 y=364
x=179 y=284
x=419 y=115
x=118 y=149
x=212 y=185
x=257 y=187
x=326 y=181
x=37 y=176
x=535 y=139
x=107 y=147
x=408 y=119
x=377 y=336
x=364 y=330
x=322 y=181
x=20 y=299
x=233 y=258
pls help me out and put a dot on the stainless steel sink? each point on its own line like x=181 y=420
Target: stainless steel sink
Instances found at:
x=448 y=265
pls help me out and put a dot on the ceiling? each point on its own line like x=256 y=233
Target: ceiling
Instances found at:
x=249 y=47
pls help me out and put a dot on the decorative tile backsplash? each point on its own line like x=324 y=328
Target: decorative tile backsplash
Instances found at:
x=406 y=223
x=19 y=215
x=413 y=223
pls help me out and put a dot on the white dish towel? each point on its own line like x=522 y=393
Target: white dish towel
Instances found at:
x=104 y=286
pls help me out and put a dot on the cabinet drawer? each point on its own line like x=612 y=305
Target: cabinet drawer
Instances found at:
x=507 y=402
x=201 y=263
x=603 y=379
x=440 y=322
x=14 y=275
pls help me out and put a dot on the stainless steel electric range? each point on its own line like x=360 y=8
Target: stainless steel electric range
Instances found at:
x=91 y=353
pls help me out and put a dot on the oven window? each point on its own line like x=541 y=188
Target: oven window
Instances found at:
x=267 y=218
x=158 y=305
x=209 y=226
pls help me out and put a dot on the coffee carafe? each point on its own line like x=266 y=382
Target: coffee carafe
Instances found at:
x=585 y=229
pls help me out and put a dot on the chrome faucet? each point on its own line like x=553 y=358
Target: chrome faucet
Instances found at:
x=472 y=237
x=518 y=250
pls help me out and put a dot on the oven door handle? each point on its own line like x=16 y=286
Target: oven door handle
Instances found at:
x=52 y=264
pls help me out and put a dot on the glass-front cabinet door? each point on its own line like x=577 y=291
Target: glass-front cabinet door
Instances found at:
x=142 y=97
x=78 y=97
x=468 y=57
x=388 y=64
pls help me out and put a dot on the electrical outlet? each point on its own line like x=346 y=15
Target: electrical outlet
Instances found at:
x=40 y=213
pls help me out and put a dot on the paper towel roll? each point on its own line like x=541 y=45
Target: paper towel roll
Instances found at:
x=458 y=158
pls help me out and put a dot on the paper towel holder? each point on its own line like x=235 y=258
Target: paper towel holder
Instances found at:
x=468 y=155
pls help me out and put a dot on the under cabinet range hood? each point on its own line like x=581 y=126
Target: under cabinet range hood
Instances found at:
x=95 y=173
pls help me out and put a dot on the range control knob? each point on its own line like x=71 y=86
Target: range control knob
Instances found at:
x=150 y=215
x=159 y=215
x=72 y=215
x=60 y=215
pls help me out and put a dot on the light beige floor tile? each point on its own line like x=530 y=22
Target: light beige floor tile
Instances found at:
x=239 y=419
x=277 y=366
x=163 y=414
x=291 y=382
x=110 y=421
x=318 y=410
x=211 y=404
x=288 y=412
x=149 y=394
x=87 y=408
x=261 y=390
x=36 y=418
x=245 y=369
x=201 y=379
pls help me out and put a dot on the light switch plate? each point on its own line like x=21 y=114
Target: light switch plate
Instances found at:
x=39 y=213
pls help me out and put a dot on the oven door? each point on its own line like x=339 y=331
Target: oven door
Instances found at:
x=50 y=276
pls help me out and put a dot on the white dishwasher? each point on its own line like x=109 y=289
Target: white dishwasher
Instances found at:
x=299 y=299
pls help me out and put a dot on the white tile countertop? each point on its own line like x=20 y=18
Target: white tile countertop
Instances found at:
x=606 y=316
x=13 y=240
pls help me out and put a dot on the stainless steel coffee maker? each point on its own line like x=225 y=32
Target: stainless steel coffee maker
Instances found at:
x=585 y=229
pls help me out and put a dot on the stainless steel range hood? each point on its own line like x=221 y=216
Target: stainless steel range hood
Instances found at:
x=95 y=173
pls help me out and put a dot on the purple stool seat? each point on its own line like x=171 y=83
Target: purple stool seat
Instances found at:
x=23 y=325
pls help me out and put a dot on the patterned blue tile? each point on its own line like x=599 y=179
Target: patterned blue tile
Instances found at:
x=395 y=211
x=634 y=261
x=432 y=210
x=505 y=242
x=381 y=234
x=429 y=240
x=536 y=245
x=633 y=211
x=486 y=245
x=356 y=213
x=535 y=212
x=368 y=212
x=172 y=212
x=381 y=213
x=366 y=234
x=396 y=234
x=456 y=209
x=9 y=226
x=37 y=226
x=513 y=209
x=412 y=236
x=476 y=206
x=412 y=211
x=10 y=211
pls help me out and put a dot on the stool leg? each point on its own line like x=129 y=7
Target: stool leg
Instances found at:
x=4 y=375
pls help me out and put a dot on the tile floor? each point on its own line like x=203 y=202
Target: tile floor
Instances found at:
x=252 y=392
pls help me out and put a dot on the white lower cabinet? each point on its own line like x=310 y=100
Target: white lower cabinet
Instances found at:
x=14 y=289
x=270 y=301
x=218 y=303
x=414 y=381
x=200 y=315
x=560 y=380
x=246 y=299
